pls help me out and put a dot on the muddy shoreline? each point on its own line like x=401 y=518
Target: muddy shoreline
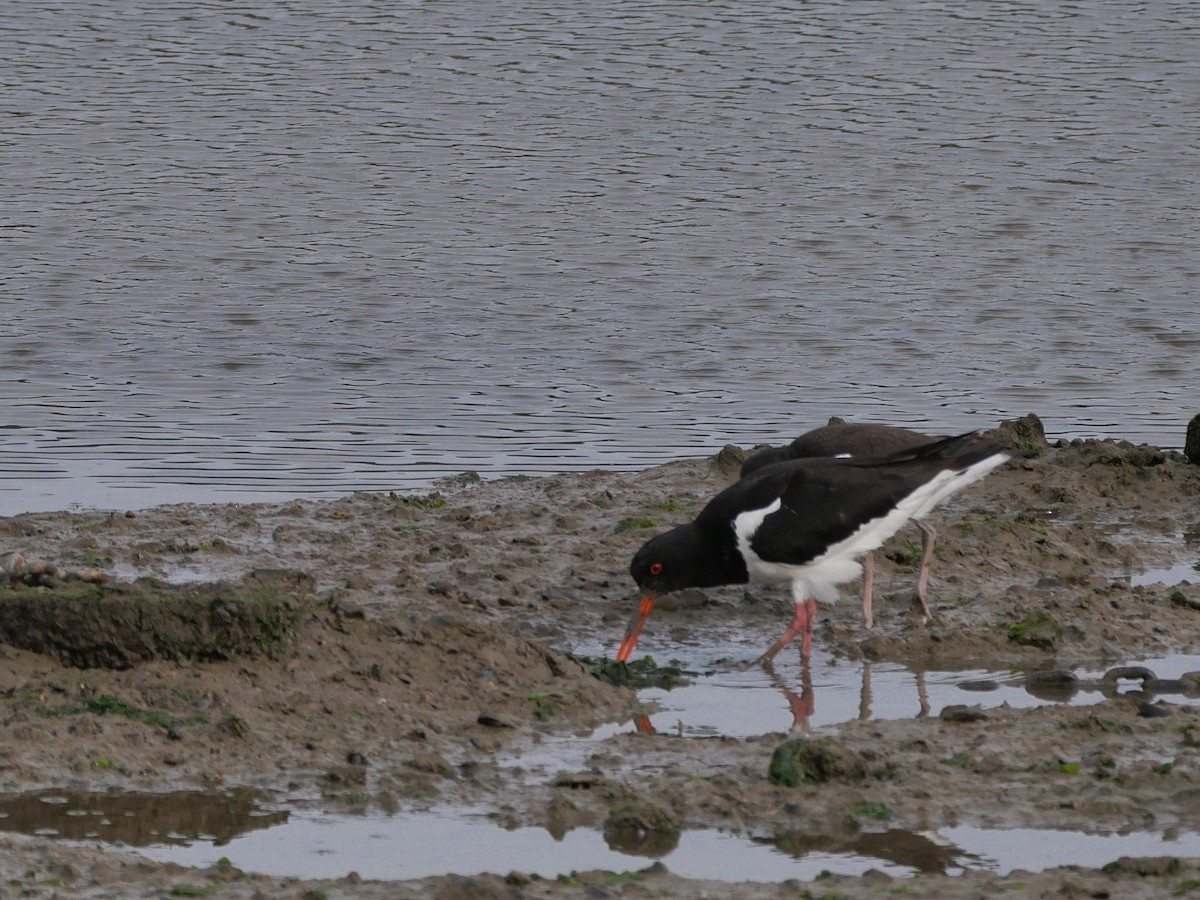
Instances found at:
x=434 y=634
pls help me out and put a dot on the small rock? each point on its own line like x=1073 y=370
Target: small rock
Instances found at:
x=643 y=828
x=1052 y=684
x=961 y=713
x=1181 y=599
x=355 y=758
x=1131 y=673
x=1025 y=434
x=494 y=720
x=1052 y=678
x=729 y=460
x=1191 y=446
x=983 y=685
x=804 y=761
x=1038 y=629
x=1146 y=866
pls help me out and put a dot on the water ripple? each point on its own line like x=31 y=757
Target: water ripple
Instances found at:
x=335 y=246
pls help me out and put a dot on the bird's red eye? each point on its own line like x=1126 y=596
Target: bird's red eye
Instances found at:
x=656 y=568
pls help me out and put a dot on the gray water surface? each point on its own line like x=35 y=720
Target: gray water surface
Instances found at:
x=321 y=247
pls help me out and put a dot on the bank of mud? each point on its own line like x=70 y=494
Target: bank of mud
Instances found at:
x=408 y=643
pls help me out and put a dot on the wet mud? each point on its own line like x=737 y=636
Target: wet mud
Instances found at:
x=383 y=654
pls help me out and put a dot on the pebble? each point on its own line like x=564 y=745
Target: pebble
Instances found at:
x=962 y=713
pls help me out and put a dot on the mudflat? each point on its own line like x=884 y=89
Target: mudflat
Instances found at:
x=384 y=651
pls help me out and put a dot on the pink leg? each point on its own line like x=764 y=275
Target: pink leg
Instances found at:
x=802 y=623
x=868 y=581
x=928 y=536
x=864 y=697
x=806 y=639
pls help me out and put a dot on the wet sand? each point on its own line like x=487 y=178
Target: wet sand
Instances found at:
x=420 y=639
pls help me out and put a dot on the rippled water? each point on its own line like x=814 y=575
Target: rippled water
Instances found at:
x=340 y=245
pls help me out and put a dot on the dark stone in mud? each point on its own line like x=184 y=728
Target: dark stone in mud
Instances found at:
x=640 y=673
x=1052 y=684
x=1025 y=434
x=1191 y=445
x=1181 y=599
x=117 y=626
x=804 y=761
x=1038 y=629
x=983 y=685
x=494 y=720
x=1147 y=866
x=1128 y=673
x=729 y=460
x=642 y=828
x=961 y=713
x=1153 y=710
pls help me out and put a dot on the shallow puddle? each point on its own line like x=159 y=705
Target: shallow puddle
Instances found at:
x=138 y=820
x=827 y=691
x=1168 y=575
x=199 y=829
x=288 y=838
x=1184 y=547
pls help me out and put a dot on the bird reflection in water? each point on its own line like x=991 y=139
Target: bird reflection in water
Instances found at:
x=801 y=699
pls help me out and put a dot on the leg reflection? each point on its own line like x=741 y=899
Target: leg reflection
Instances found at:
x=864 y=697
x=864 y=694
x=922 y=696
x=803 y=704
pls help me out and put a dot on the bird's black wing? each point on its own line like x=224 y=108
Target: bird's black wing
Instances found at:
x=822 y=502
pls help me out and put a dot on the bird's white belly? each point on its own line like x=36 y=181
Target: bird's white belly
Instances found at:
x=817 y=578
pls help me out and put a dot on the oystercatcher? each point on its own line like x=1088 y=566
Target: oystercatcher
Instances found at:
x=859 y=440
x=805 y=522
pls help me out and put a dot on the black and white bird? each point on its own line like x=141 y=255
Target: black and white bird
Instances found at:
x=806 y=522
x=856 y=441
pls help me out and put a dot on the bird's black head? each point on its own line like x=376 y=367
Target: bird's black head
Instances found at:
x=671 y=561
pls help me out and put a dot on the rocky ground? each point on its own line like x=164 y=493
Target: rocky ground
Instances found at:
x=383 y=651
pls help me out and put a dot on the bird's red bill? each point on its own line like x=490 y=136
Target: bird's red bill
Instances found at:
x=634 y=629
